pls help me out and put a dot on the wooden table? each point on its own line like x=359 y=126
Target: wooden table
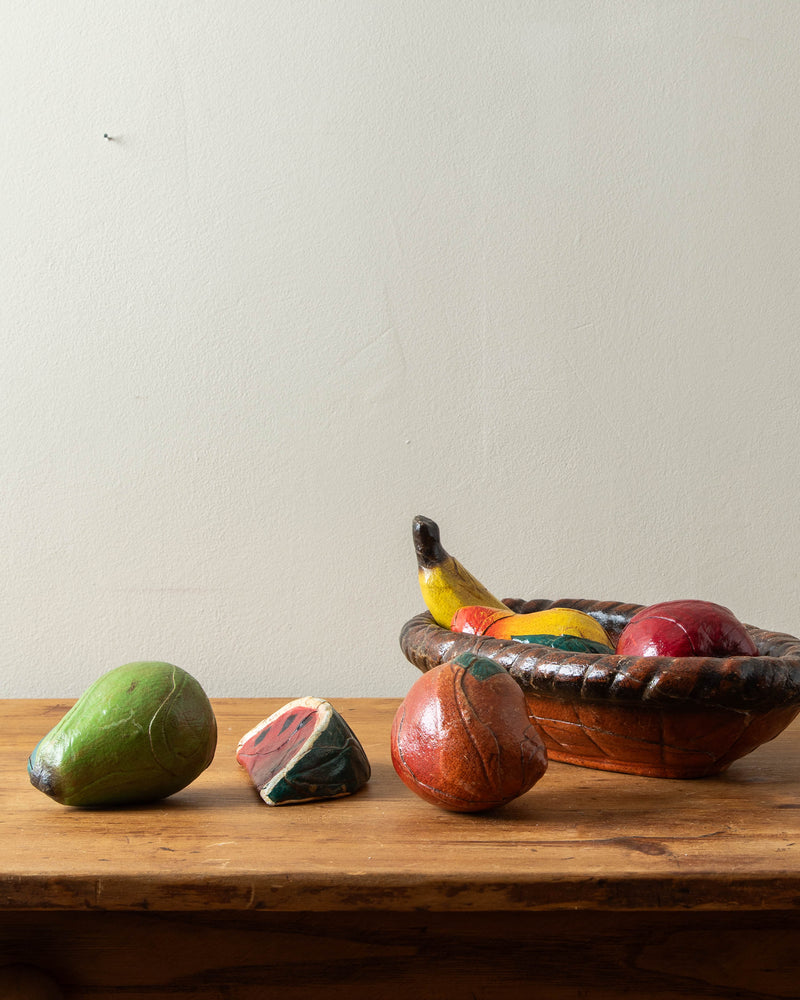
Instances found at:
x=593 y=885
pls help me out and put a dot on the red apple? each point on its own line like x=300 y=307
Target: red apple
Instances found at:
x=685 y=628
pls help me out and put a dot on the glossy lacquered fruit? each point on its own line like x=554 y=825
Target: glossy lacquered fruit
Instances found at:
x=551 y=622
x=302 y=753
x=446 y=585
x=685 y=628
x=459 y=601
x=141 y=732
x=462 y=738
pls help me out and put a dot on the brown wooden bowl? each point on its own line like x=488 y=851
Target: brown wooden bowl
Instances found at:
x=662 y=716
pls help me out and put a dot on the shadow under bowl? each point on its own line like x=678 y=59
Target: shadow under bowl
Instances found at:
x=659 y=716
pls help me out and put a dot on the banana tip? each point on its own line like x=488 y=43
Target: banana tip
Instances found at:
x=427 y=544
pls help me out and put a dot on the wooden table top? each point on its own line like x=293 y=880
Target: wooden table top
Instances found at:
x=580 y=839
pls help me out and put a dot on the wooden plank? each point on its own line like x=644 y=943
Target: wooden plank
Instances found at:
x=579 y=839
x=487 y=956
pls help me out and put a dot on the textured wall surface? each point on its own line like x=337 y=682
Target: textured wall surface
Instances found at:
x=530 y=269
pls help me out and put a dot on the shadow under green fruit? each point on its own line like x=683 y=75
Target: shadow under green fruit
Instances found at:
x=139 y=733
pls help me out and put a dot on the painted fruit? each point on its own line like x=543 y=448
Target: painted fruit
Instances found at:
x=571 y=643
x=478 y=620
x=141 y=732
x=685 y=628
x=303 y=752
x=462 y=738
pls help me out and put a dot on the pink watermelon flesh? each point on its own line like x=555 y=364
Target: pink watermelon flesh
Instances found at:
x=271 y=749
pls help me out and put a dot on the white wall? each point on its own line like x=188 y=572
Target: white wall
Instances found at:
x=529 y=268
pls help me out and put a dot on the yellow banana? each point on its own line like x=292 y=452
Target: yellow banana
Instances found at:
x=446 y=586
x=459 y=602
x=535 y=624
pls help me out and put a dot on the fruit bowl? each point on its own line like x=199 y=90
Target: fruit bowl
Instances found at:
x=659 y=716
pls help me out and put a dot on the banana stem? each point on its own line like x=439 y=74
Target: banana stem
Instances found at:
x=427 y=543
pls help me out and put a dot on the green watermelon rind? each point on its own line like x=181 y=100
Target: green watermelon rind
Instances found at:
x=330 y=764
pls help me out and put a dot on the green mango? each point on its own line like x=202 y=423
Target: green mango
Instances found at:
x=139 y=733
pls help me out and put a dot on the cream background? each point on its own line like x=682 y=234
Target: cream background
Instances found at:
x=529 y=268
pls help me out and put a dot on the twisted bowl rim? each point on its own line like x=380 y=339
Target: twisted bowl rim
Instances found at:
x=746 y=683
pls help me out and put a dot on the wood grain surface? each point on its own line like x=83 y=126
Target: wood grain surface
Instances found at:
x=592 y=885
x=579 y=838
x=498 y=956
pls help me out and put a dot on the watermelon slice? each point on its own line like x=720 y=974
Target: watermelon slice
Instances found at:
x=303 y=752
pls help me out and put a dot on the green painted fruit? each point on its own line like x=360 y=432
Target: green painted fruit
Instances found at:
x=139 y=733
